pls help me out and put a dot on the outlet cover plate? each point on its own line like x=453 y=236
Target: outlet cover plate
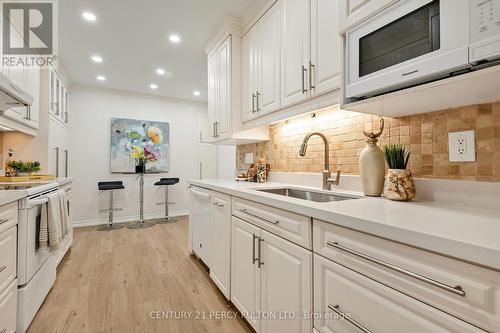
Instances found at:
x=249 y=158
x=462 y=146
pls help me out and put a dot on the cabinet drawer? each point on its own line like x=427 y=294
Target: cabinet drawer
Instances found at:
x=8 y=308
x=464 y=290
x=293 y=227
x=8 y=250
x=350 y=302
x=8 y=216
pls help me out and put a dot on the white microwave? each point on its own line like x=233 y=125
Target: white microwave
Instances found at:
x=417 y=41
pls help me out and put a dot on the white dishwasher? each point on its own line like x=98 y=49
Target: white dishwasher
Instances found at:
x=200 y=219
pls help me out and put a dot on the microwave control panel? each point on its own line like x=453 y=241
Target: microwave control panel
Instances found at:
x=484 y=20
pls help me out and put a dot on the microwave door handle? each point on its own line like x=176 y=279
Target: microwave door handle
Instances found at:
x=38 y=202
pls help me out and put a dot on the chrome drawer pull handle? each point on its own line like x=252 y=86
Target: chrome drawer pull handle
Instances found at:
x=457 y=290
x=260 y=262
x=259 y=217
x=3 y=221
x=218 y=205
x=4 y=330
x=2 y=268
x=348 y=318
x=253 y=249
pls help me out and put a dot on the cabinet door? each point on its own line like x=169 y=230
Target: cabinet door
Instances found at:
x=52 y=106
x=324 y=69
x=220 y=250
x=294 y=51
x=268 y=91
x=245 y=273
x=212 y=93
x=353 y=12
x=286 y=285
x=66 y=104
x=249 y=74
x=372 y=305
x=223 y=112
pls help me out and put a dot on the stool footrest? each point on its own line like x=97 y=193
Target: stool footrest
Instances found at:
x=109 y=210
x=165 y=203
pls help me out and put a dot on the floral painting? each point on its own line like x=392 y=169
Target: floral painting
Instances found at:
x=139 y=140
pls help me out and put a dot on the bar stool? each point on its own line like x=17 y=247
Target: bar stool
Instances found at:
x=167 y=182
x=110 y=186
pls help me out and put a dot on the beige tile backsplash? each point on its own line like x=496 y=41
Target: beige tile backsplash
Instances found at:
x=425 y=134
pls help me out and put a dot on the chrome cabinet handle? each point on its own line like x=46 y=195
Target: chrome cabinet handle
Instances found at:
x=457 y=290
x=244 y=210
x=260 y=262
x=257 y=102
x=253 y=249
x=304 y=72
x=57 y=161
x=349 y=319
x=216 y=204
x=2 y=268
x=3 y=331
x=311 y=69
x=3 y=220
x=66 y=160
x=216 y=129
x=253 y=103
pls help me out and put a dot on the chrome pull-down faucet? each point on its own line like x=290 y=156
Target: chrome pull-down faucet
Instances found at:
x=327 y=180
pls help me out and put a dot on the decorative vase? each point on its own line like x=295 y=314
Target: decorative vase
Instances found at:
x=399 y=185
x=140 y=168
x=261 y=171
x=372 y=164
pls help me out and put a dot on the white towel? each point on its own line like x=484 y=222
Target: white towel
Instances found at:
x=64 y=213
x=54 y=220
x=43 y=237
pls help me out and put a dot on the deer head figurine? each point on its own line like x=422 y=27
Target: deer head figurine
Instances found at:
x=373 y=137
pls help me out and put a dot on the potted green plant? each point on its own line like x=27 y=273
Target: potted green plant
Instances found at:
x=399 y=184
x=22 y=168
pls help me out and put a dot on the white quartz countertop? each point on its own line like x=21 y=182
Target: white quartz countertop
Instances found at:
x=6 y=197
x=461 y=232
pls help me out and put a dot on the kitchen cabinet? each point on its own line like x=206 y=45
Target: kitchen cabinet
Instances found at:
x=264 y=269
x=353 y=12
x=261 y=66
x=58 y=97
x=225 y=88
x=245 y=271
x=369 y=306
x=295 y=51
x=220 y=248
x=219 y=90
x=324 y=67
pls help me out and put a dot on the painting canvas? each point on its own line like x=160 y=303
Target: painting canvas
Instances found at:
x=129 y=136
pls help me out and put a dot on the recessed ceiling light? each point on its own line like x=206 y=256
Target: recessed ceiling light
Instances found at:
x=153 y=86
x=97 y=59
x=101 y=78
x=196 y=93
x=160 y=71
x=89 y=16
x=174 y=38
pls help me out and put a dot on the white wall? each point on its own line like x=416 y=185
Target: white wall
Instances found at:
x=91 y=111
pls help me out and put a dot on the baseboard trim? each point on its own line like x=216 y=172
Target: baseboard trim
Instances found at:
x=125 y=219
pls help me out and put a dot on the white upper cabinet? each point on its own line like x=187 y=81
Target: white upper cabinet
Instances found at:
x=212 y=94
x=325 y=70
x=261 y=66
x=268 y=73
x=353 y=12
x=223 y=90
x=295 y=51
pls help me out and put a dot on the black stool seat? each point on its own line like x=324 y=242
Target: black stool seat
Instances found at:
x=107 y=186
x=167 y=181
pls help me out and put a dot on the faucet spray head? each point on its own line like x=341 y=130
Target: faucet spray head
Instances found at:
x=303 y=149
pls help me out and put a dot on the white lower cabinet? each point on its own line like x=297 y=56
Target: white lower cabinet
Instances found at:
x=220 y=249
x=354 y=303
x=8 y=308
x=271 y=280
x=286 y=285
x=245 y=271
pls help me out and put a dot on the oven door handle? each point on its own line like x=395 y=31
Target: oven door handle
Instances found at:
x=38 y=202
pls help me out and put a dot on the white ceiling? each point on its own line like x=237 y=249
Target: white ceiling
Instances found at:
x=132 y=38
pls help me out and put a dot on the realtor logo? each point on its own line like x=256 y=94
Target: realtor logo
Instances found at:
x=28 y=28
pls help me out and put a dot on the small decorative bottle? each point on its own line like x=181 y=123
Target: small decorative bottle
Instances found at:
x=372 y=164
x=261 y=171
x=8 y=169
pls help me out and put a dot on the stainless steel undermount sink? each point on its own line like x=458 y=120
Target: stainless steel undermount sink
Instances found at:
x=307 y=194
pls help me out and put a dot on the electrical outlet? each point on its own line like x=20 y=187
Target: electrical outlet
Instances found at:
x=462 y=146
x=248 y=158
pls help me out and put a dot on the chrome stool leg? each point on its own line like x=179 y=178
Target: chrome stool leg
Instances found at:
x=141 y=224
x=110 y=226
x=167 y=219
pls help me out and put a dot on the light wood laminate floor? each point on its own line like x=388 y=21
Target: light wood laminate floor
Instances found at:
x=112 y=281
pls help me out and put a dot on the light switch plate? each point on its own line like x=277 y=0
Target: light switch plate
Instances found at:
x=248 y=158
x=462 y=146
